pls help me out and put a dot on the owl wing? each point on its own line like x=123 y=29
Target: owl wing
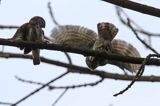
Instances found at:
x=121 y=47
x=20 y=34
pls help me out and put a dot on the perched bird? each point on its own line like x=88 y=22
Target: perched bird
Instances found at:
x=106 y=33
x=32 y=32
x=84 y=38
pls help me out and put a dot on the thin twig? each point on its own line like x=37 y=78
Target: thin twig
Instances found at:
x=40 y=88
x=138 y=75
x=57 y=24
x=66 y=54
x=128 y=23
x=52 y=15
x=138 y=27
x=60 y=87
x=143 y=42
x=78 y=86
x=60 y=96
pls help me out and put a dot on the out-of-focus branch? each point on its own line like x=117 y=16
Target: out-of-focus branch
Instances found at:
x=128 y=22
x=60 y=96
x=6 y=103
x=136 y=7
x=142 y=31
x=138 y=74
x=143 y=42
x=52 y=15
x=61 y=87
x=137 y=27
x=85 y=52
x=40 y=88
x=8 y=27
x=57 y=24
x=84 y=70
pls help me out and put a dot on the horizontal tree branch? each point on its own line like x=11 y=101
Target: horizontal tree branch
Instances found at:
x=91 y=84
x=84 y=70
x=136 y=7
x=84 y=52
x=8 y=26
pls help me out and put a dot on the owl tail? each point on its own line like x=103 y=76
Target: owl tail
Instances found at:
x=35 y=56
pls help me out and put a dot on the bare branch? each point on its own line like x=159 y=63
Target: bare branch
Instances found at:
x=84 y=70
x=57 y=24
x=148 y=33
x=139 y=28
x=60 y=96
x=128 y=22
x=40 y=88
x=77 y=86
x=52 y=15
x=85 y=52
x=8 y=27
x=61 y=87
x=136 y=7
x=138 y=75
x=143 y=42
x=6 y=103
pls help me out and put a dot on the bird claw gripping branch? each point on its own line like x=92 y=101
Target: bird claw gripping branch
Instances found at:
x=32 y=32
x=84 y=38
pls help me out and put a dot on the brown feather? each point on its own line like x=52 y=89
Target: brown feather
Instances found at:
x=121 y=47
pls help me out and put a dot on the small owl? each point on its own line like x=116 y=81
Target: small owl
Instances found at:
x=106 y=33
x=31 y=31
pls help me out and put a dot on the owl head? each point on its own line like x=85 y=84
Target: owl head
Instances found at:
x=107 y=30
x=38 y=20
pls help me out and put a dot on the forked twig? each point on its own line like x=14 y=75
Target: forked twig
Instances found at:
x=128 y=23
x=40 y=88
x=61 y=87
x=143 y=42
